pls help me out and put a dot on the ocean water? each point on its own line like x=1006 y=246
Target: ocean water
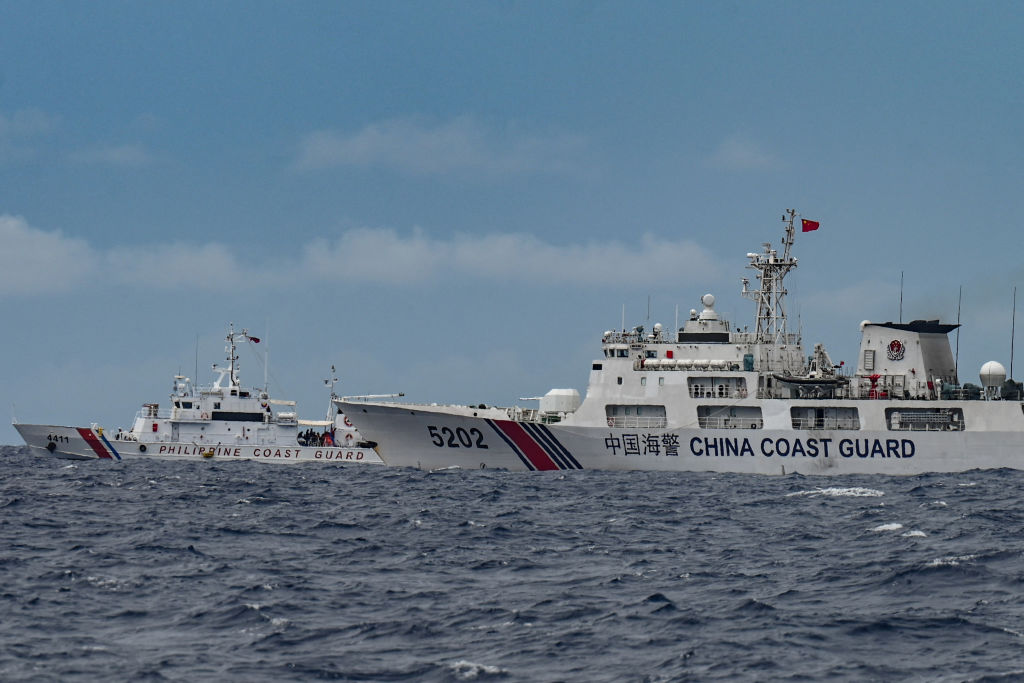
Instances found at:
x=159 y=570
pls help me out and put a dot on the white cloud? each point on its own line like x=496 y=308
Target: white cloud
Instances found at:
x=462 y=144
x=39 y=262
x=739 y=154
x=35 y=261
x=178 y=266
x=114 y=155
x=382 y=255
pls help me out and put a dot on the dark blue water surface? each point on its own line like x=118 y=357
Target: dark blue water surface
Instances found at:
x=156 y=570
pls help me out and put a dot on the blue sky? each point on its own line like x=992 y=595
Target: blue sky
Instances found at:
x=454 y=199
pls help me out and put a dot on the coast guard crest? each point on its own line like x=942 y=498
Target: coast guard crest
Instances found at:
x=896 y=350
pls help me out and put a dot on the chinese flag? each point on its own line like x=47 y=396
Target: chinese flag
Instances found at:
x=807 y=225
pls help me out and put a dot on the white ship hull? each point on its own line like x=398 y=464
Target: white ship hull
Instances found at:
x=89 y=443
x=430 y=437
x=709 y=397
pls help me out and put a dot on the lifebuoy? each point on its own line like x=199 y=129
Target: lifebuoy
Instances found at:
x=347 y=423
x=205 y=416
x=611 y=421
x=349 y=438
x=142 y=448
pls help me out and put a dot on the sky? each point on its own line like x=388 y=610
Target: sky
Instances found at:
x=455 y=199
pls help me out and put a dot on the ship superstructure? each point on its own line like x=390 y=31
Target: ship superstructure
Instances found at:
x=223 y=421
x=708 y=396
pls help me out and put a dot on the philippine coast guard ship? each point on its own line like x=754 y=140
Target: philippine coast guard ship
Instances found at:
x=707 y=397
x=222 y=421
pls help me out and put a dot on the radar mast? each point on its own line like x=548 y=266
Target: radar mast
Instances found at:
x=771 y=269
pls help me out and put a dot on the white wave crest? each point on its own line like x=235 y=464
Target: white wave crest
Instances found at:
x=891 y=526
x=914 y=533
x=952 y=561
x=838 y=491
x=467 y=671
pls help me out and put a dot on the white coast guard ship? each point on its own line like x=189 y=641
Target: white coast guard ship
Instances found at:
x=222 y=421
x=706 y=397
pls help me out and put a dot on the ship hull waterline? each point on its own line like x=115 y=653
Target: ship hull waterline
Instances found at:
x=90 y=443
x=415 y=436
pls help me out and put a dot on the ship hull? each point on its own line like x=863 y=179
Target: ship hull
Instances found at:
x=90 y=443
x=416 y=436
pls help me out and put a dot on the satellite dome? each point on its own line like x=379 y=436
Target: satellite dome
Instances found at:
x=708 y=300
x=993 y=374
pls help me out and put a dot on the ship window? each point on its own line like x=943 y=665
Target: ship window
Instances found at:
x=622 y=353
x=661 y=381
x=641 y=416
x=650 y=353
x=186 y=404
x=729 y=417
x=925 y=419
x=869 y=359
x=596 y=366
x=824 y=417
x=619 y=380
x=643 y=381
x=216 y=405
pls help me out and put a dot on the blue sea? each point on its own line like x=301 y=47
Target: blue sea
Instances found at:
x=156 y=570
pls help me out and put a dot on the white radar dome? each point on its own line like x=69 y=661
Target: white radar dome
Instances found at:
x=708 y=300
x=993 y=374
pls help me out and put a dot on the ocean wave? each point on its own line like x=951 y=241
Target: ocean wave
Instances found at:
x=839 y=492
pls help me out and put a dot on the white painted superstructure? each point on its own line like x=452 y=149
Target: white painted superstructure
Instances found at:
x=221 y=421
x=709 y=397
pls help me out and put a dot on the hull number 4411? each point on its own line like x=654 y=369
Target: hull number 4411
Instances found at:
x=456 y=438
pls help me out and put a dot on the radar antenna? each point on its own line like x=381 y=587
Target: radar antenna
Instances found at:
x=771 y=269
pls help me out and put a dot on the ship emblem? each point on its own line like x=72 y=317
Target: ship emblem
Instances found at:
x=896 y=350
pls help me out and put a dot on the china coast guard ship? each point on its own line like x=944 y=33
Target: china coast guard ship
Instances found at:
x=221 y=421
x=707 y=397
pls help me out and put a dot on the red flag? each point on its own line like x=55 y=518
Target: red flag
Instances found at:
x=254 y=340
x=807 y=225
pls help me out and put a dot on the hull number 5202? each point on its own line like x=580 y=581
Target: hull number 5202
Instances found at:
x=456 y=438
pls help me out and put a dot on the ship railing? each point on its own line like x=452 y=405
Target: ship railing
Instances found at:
x=706 y=366
x=633 y=338
x=730 y=422
x=149 y=413
x=826 y=423
x=751 y=338
x=624 y=421
x=697 y=391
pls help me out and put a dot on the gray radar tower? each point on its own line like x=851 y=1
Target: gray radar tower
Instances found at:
x=771 y=269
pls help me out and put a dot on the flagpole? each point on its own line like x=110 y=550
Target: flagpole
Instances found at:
x=956 y=358
x=901 y=297
x=1013 y=328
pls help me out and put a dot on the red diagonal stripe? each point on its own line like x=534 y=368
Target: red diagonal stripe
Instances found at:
x=537 y=456
x=91 y=439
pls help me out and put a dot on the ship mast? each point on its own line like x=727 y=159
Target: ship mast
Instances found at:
x=232 y=356
x=232 y=350
x=771 y=269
